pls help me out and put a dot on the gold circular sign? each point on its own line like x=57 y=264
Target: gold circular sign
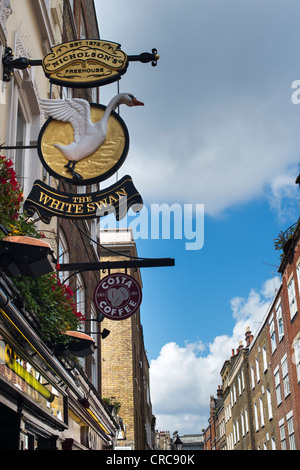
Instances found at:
x=92 y=169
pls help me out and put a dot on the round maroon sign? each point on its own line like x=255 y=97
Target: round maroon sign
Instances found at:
x=118 y=296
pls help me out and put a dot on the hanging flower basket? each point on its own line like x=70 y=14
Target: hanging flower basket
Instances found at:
x=81 y=345
x=26 y=255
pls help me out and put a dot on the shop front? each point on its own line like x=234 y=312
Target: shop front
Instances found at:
x=33 y=394
x=45 y=403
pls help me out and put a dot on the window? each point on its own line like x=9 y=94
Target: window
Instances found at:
x=291 y=432
x=63 y=256
x=261 y=407
x=273 y=445
x=234 y=393
x=94 y=233
x=282 y=435
x=279 y=321
x=83 y=31
x=94 y=362
x=265 y=361
x=246 y=420
x=23 y=121
x=298 y=275
x=257 y=370
x=80 y=294
x=237 y=431
x=285 y=376
x=292 y=298
x=269 y=403
x=243 y=424
x=243 y=380
x=277 y=385
x=239 y=385
x=297 y=357
x=272 y=333
x=256 y=417
x=20 y=140
x=252 y=378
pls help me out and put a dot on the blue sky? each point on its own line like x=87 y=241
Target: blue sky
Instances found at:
x=219 y=129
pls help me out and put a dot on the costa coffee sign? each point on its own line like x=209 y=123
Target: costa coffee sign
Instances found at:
x=118 y=296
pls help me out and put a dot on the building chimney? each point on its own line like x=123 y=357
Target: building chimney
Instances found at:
x=220 y=392
x=240 y=346
x=248 y=336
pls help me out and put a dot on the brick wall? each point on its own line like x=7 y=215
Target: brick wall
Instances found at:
x=125 y=369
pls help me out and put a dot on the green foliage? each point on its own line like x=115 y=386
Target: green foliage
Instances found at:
x=11 y=197
x=283 y=238
x=45 y=297
x=52 y=303
x=114 y=403
x=10 y=193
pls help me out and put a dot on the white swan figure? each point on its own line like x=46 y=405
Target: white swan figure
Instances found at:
x=88 y=136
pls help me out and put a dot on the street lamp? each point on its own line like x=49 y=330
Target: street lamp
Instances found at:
x=178 y=443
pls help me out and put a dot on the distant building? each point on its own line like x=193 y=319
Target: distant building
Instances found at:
x=162 y=440
x=124 y=363
x=260 y=407
x=190 y=442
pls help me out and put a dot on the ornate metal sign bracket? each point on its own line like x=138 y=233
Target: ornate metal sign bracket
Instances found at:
x=22 y=63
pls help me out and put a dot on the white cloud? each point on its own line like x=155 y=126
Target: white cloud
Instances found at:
x=218 y=127
x=283 y=195
x=183 y=378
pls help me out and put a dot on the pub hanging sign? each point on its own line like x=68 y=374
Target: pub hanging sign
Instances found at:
x=85 y=63
x=84 y=143
x=49 y=202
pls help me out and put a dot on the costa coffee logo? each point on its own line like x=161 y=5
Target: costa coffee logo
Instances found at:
x=118 y=296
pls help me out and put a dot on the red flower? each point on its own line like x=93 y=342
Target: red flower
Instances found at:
x=69 y=291
x=13 y=181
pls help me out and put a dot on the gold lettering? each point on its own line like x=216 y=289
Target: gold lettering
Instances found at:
x=44 y=198
x=101 y=203
x=84 y=199
x=121 y=192
x=112 y=199
x=78 y=208
x=55 y=204
x=69 y=206
x=90 y=207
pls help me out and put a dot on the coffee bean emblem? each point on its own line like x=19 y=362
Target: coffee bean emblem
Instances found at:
x=117 y=296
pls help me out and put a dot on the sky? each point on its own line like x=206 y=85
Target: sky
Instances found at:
x=217 y=145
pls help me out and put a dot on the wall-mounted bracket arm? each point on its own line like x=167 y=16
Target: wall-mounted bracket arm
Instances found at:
x=9 y=64
x=145 y=58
